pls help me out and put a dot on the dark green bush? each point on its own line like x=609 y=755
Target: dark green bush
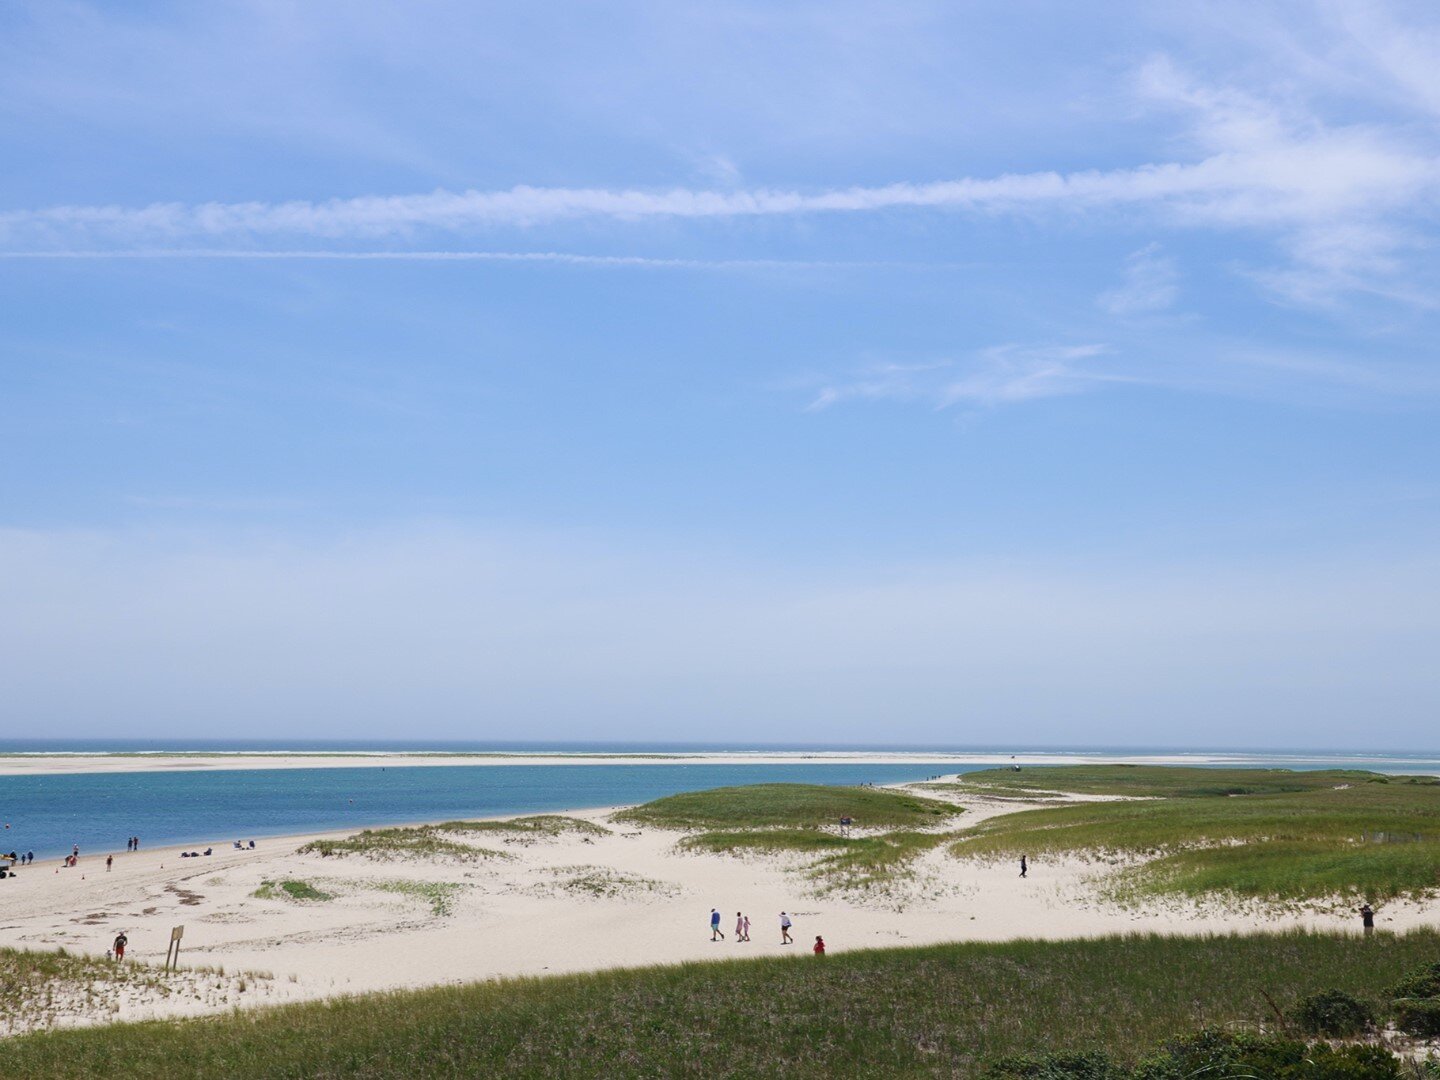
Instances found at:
x=1333 y=1013
x=1418 y=1016
x=1421 y=983
x=1218 y=1053
x=1214 y=1054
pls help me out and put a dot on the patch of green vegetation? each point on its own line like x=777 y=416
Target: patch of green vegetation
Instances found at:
x=778 y=819
x=1214 y=1053
x=36 y=987
x=440 y=895
x=293 y=890
x=421 y=841
x=1288 y=870
x=536 y=825
x=766 y=842
x=853 y=863
x=947 y=1010
x=1168 y=781
x=603 y=883
x=804 y=806
x=872 y=862
x=1378 y=841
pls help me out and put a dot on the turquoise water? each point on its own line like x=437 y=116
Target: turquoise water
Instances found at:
x=47 y=814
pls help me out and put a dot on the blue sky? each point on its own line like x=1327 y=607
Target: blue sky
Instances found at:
x=852 y=372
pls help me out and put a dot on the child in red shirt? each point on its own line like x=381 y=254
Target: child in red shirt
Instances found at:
x=819 y=945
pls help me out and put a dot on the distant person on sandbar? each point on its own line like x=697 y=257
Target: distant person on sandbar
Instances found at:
x=120 y=942
x=819 y=945
x=716 y=934
x=785 y=924
x=1024 y=867
x=109 y=861
x=1367 y=919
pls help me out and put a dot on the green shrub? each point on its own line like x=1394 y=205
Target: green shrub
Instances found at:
x=1418 y=1016
x=1218 y=1053
x=1421 y=983
x=1333 y=1013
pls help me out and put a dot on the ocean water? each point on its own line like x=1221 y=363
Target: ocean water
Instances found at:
x=97 y=811
x=48 y=814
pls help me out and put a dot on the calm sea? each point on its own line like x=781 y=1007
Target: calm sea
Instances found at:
x=47 y=814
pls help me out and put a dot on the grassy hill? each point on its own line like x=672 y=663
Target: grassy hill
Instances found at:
x=1258 y=833
x=937 y=1011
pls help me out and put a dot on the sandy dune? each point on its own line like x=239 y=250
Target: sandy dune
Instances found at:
x=543 y=904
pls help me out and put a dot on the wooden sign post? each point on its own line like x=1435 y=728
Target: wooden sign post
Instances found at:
x=175 y=935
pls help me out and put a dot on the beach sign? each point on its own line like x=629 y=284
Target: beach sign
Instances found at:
x=176 y=933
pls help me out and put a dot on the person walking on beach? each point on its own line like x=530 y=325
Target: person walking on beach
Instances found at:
x=716 y=934
x=120 y=942
x=739 y=927
x=745 y=923
x=1024 y=866
x=819 y=945
x=109 y=859
x=785 y=924
x=1367 y=919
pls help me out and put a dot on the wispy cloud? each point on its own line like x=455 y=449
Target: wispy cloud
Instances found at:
x=1335 y=196
x=561 y=257
x=1150 y=284
x=1002 y=374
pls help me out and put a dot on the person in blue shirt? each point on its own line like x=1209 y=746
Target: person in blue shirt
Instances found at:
x=716 y=934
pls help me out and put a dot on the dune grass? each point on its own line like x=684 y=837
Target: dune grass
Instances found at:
x=550 y=825
x=794 y=806
x=1376 y=838
x=845 y=862
x=797 y=819
x=439 y=895
x=291 y=890
x=420 y=841
x=1164 y=781
x=938 y=1011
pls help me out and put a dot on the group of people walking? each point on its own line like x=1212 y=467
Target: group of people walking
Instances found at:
x=742 y=929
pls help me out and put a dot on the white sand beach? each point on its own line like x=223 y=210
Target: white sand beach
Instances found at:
x=541 y=905
x=51 y=763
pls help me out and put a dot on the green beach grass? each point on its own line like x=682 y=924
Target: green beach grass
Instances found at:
x=1275 y=835
x=420 y=841
x=1163 y=781
x=797 y=819
x=794 y=806
x=947 y=1010
x=290 y=890
x=550 y=825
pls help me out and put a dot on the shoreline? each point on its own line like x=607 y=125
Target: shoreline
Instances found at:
x=51 y=763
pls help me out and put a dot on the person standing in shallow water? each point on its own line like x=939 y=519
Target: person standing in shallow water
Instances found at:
x=1367 y=919
x=716 y=934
